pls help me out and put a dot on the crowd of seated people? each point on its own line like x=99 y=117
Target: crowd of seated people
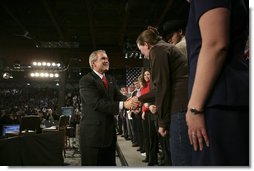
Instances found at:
x=16 y=103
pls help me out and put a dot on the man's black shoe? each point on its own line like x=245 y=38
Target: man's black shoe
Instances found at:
x=134 y=145
x=127 y=138
x=152 y=164
x=145 y=160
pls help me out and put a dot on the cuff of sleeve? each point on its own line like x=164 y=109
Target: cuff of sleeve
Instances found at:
x=163 y=124
x=144 y=109
x=121 y=105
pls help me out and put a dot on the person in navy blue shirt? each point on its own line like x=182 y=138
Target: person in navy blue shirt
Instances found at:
x=218 y=107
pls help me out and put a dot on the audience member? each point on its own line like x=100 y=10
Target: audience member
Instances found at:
x=174 y=33
x=218 y=108
x=169 y=84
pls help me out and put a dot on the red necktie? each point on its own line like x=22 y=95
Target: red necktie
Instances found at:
x=105 y=82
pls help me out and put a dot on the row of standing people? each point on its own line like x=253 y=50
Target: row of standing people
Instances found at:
x=140 y=125
x=145 y=128
x=202 y=103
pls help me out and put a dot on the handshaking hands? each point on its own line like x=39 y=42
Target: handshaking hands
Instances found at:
x=131 y=103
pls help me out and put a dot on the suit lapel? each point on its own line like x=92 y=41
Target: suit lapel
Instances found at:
x=99 y=81
x=110 y=85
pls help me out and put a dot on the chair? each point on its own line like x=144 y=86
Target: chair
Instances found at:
x=63 y=122
x=30 y=124
x=62 y=126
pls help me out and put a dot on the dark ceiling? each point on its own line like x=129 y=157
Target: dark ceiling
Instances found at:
x=76 y=26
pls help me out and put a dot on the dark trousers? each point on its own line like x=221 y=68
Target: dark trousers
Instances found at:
x=165 y=156
x=94 y=156
x=145 y=125
x=134 y=123
x=124 y=123
x=153 y=139
x=140 y=137
x=180 y=147
x=228 y=133
x=119 y=125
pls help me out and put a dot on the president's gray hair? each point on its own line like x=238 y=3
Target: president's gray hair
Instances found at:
x=93 y=57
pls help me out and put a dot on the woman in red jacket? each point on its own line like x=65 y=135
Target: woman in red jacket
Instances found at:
x=148 y=123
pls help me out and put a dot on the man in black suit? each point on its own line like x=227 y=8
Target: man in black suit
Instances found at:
x=101 y=100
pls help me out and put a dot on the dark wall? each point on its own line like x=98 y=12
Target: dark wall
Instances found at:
x=73 y=57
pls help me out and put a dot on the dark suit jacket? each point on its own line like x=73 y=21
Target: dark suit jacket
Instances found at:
x=99 y=106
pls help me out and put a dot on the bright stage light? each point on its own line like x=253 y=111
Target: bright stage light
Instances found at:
x=44 y=75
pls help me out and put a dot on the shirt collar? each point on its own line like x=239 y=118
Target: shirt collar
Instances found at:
x=99 y=74
x=138 y=89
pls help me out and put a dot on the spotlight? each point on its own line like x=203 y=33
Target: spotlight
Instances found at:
x=132 y=54
x=16 y=66
x=7 y=75
x=136 y=54
x=140 y=56
x=56 y=75
x=41 y=74
x=36 y=74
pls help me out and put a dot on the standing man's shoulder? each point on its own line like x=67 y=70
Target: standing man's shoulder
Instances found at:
x=86 y=77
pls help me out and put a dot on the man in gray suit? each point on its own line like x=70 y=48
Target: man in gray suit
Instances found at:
x=101 y=100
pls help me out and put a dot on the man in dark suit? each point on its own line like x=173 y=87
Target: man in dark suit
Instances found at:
x=101 y=100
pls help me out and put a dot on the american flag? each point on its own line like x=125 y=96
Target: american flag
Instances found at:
x=132 y=74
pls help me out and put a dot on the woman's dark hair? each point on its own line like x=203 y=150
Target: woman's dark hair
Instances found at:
x=151 y=36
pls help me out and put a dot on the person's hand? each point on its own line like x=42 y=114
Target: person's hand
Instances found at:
x=135 y=99
x=153 y=109
x=130 y=104
x=196 y=130
x=143 y=115
x=146 y=105
x=134 y=103
x=163 y=132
